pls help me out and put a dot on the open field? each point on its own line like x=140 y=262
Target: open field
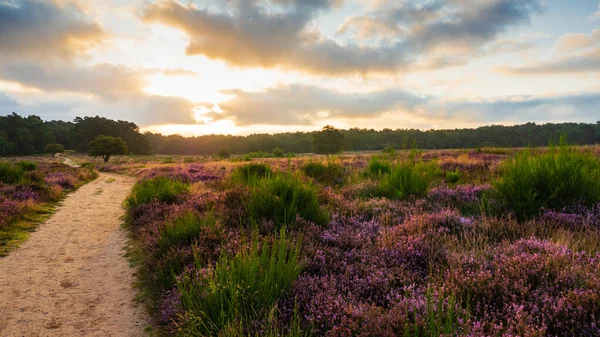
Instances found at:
x=472 y=243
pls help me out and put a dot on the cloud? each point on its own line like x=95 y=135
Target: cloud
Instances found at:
x=103 y=80
x=579 y=53
x=303 y=104
x=571 y=42
x=36 y=29
x=236 y=33
x=309 y=105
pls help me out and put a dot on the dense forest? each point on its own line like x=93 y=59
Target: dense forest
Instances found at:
x=28 y=135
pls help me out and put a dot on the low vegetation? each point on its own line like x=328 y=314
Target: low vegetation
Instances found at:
x=437 y=243
x=28 y=192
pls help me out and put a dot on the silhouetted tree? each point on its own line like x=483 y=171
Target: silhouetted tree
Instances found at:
x=328 y=141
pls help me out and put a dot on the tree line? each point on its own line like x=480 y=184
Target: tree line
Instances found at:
x=29 y=135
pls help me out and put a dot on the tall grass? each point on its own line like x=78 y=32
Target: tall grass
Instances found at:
x=330 y=173
x=377 y=167
x=251 y=173
x=160 y=189
x=281 y=198
x=560 y=177
x=239 y=289
x=184 y=230
x=408 y=179
x=11 y=174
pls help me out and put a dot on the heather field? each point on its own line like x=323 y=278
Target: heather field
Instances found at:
x=29 y=188
x=488 y=242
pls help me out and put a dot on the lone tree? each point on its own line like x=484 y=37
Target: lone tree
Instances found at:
x=106 y=146
x=54 y=148
x=328 y=141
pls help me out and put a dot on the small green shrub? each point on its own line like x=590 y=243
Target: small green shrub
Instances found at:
x=453 y=177
x=330 y=173
x=281 y=198
x=26 y=165
x=278 y=153
x=224 y=154
x=239 y=288
x=183 y=230
x=10 y=174
x=552 y=180
x=378 y=167
x=408 y=179
x=389 y=150
x=89 y=166
x=188 y=160
x=252 y=172
x=156 y=189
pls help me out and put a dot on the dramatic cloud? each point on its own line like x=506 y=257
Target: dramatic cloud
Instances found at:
x=251 y=33
x=104 y=80
x=307 y=105
x=37 y=29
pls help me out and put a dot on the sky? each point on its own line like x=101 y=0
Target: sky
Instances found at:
x=266 y=66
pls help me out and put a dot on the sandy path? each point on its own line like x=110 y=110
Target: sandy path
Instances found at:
x=70 y=278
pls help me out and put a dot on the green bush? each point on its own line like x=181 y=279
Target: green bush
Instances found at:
x=238 y=289
x=453 y=177
x=389 y=150
x=183 y=230
x=408 y=179
x=378 y=167
x=278 y=153
x=160 y=189
x=330 y=173
x=188 y=160
x=554 y=179
x=281 y=198
x=10 y=174
x=251 y=173
x=26 y=165
x=224 y=154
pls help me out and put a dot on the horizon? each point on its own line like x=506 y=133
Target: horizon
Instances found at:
x=274 y=66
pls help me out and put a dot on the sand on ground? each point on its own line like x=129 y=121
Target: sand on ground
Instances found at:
x=70 y=278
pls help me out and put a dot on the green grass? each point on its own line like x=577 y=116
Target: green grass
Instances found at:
x=18 y=231
x=377 y=167
x=559 y=177
x=331 y=173
x=453 y=177
x=408 y=179
x=251 y=173
x=11 y=174
x=183 y=230
x=239 y=288
x=281 y=198
x=160 y=189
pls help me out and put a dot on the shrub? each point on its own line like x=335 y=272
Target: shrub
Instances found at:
x=389 y=150
x=26 y=165
x=10 y=174
x=251 y=172
x=188 y=160
x=224 y=154
x=453 y=177
x=378 y=167
x=281 y=198
x=332 y=173
x=183 y=230
x=238 y=289
x=278 y=153
x=552 y=180
x=408 y=179
x=160 y=189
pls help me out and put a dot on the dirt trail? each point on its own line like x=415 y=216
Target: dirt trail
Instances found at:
x=70 y=278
